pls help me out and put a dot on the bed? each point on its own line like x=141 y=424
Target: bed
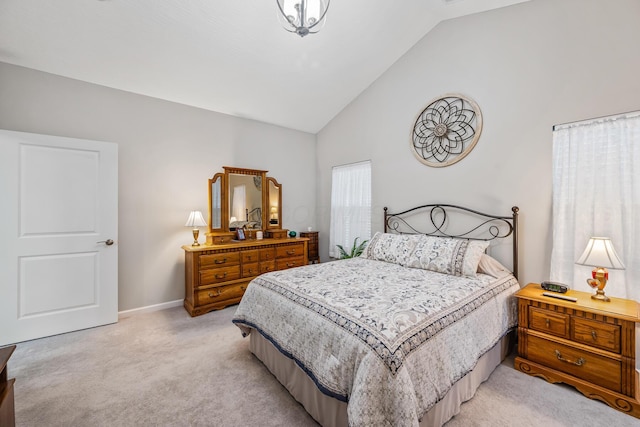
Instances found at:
x=400 y=336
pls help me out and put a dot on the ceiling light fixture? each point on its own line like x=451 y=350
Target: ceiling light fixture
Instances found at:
x=303 y=16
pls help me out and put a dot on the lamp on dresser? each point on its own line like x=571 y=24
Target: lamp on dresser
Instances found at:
x=195 y=220
x=601 y=255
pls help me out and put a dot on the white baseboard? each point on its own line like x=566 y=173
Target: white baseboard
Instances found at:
x=150 y=308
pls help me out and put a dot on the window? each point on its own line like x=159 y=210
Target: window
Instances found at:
x=350 y=206
x=596 y=192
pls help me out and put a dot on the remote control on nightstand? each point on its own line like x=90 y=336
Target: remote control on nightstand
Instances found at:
x=559 y=296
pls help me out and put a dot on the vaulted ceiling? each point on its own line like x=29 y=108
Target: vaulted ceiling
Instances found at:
x=229 y=56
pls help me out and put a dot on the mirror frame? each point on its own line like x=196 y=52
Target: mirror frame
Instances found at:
x=267 y=204
x=225 y=196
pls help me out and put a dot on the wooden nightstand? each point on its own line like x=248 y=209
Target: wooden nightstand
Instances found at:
x=314 y=253
x=588 y=344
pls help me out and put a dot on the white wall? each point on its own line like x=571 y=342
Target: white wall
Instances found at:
x=167 y=152
x=528 y=66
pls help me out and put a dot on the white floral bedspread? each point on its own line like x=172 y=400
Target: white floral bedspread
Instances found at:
x=387 y=339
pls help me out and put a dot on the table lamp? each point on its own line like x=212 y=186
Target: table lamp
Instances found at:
x=600 y=254
x=195 y=220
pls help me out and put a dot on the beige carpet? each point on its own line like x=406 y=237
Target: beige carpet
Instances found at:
x=168 y=369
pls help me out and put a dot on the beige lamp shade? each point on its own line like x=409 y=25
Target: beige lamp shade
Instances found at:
x=600 y=253
x=195 y=220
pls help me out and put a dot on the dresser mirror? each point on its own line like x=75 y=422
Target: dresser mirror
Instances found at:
x=242 y=198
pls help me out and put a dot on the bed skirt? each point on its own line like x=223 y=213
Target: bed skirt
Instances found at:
x=330 y=412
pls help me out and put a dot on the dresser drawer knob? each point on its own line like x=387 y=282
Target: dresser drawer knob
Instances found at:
x=548 y=323
x=578 y=362
x=594 y=335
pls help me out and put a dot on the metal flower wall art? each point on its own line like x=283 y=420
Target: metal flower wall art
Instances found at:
x=446 y=130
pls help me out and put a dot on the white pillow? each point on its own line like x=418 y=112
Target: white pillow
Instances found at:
x=492 y=267
x=394 y=248
x=448 y=255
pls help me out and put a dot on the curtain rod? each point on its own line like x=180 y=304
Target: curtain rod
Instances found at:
x=351 y=164
x=628 y=114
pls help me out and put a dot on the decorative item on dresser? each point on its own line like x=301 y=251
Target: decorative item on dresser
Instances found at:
x=314 y=253
x=217 y=276
x=587 y=343
x=7 y=406
x=194 y=221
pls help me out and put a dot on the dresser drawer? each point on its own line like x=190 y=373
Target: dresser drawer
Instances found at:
x=249 y=256
x=267 y=266
x=549 y=322
x=587 y=366
x=267 y=254
x=220 y=260
x=283 y=264
x=596 y=334
x=290 y=251
x=218 y=275
x=219 y=294
x=250 y=270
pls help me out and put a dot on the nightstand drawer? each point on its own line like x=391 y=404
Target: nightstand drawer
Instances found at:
x=596 y=334
x=587 y=366
x=549 y=322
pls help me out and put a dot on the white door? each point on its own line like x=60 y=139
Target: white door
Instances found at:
x=58 y=235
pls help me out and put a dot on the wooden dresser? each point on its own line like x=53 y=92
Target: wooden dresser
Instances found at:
x=216 y=276
x=314 y=252
x=7 y=406
x=588 y=344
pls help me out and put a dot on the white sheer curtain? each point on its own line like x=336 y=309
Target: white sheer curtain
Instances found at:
x=596 y=192
x=239 y=203
x=350 y=206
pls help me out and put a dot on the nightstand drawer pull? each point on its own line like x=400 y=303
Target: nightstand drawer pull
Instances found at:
x=218 y=276
x=212 y=295
x=548 y=323
x=594 y=335
x=220 y=261
x=579 y=362
x=291 y=252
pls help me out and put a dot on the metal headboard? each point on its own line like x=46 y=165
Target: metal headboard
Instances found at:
x=481 y=226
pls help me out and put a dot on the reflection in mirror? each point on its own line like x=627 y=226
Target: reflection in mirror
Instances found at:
x=216 y=202
x=245 y=201
x=275 y=204
x=216 y=205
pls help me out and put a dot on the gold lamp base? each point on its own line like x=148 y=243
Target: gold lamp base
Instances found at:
x=196 y=233
x=600 y=276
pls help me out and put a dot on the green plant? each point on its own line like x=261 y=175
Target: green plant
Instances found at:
x=356 y=249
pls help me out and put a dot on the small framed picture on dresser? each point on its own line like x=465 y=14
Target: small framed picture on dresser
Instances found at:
x=240 y=234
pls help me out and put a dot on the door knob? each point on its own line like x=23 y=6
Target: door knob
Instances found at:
x=107 y=242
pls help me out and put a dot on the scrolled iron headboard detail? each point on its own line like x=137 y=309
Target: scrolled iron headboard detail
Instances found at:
x=483 y=226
